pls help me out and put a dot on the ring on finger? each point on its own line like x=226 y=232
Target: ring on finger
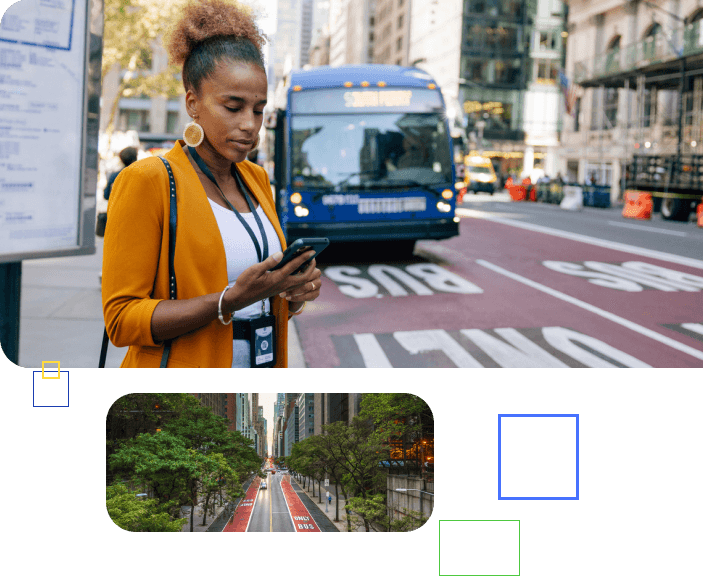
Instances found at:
x=313 y=285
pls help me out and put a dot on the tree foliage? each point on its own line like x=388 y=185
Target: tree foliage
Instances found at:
x=193 y=459
x=136 y=515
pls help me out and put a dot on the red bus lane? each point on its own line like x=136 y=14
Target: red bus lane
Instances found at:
x=502 y=296
x=242 y=515
x=302 y=521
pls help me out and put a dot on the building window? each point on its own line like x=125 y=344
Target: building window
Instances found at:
x=400 y=22
x=546 y=71
x=399 y=62
x=172 y=128
x=134 y=120
x=399 y=44
x=577 y=113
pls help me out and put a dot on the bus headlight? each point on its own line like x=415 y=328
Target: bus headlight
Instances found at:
x=301 y=211
x=296 y=198
x=443 y=207
x=460 y=185
x=447 y=194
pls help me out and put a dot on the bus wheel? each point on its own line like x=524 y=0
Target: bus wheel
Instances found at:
x=675 y=209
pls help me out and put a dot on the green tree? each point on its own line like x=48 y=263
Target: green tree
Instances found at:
x=136 y=515
x=411 y=520
x=133 y=29
x=353 y=452
x=403 y=422
x=370 y=511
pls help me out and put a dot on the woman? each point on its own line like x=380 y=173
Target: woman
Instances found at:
x=228 y=237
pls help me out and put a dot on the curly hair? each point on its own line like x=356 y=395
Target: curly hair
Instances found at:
x=210 y=31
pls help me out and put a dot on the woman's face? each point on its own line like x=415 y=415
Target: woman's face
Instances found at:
x=230 y=108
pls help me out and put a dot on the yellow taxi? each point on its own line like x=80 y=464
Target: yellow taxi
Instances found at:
x=479 y=175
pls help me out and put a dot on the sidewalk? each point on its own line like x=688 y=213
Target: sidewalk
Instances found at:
x=198 y=518
x=61 y=314
x=342 y=524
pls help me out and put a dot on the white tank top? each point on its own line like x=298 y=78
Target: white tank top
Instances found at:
x=241 y=254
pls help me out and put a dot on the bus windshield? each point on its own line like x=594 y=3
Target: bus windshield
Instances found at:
x=370 y=150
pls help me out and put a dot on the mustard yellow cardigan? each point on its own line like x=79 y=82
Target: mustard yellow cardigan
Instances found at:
x=135 y=261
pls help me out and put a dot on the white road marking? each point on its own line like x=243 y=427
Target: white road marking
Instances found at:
x=418 y=341
x=697 y=328
x=520 y=352
x=656 y=254
x=371 y=351
x=600 y=312
x=646 y=229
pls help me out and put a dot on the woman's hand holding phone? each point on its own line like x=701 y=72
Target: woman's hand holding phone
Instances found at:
x=259 y=282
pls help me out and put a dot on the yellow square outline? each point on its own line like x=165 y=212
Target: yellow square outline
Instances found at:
x=58 y=376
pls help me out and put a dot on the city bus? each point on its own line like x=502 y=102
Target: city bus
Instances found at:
x=362 y=153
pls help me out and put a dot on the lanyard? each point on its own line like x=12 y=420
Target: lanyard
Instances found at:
x=199 y=161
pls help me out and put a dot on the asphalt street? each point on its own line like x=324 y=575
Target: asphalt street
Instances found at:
x=270 y=511
x=523 y=285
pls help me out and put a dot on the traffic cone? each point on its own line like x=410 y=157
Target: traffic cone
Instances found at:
x=637 y=205
x=699 y=211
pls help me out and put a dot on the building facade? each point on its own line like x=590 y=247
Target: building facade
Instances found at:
x=334 y=407
x=639 y=68
x=392 y=32
x=497 y=64
x=292 y=430
x=352 y=31
x=306 y=415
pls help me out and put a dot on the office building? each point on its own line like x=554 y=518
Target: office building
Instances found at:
x=639 y=70
x=306 y=415
x=392 y=31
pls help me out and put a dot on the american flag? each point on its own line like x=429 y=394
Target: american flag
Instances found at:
x=569 y=91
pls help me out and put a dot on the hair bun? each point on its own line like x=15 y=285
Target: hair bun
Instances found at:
x=205 y=19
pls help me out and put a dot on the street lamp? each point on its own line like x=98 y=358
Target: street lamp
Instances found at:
x=412 y=490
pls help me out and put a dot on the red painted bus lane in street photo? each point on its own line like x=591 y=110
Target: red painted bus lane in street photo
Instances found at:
x=242 y=515
x=472 y=300
x=302 y=521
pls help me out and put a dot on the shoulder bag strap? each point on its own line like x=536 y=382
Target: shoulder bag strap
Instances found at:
x=172 y=223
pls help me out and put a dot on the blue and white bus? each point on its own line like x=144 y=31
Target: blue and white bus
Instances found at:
x=362 y=153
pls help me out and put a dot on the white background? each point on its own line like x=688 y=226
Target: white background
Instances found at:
x=480 y=548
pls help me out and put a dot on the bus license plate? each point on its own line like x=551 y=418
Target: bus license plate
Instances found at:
x=392 y=205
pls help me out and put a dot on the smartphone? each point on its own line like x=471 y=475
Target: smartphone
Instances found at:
x=298 y=247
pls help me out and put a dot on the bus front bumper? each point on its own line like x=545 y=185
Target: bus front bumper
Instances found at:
x=374 y=231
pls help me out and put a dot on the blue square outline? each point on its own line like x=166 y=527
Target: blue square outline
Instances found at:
x=500 y=497
x=68 y=390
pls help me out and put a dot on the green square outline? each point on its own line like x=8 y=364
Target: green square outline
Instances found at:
x=519 y=568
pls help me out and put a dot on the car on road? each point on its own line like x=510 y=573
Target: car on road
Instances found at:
x=479 y=175
x=262 y=486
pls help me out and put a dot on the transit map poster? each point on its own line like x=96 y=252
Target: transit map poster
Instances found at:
x=42 y=86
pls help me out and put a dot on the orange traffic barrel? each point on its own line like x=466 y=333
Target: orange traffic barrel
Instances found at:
x=637 y=205
x=517 y=192
x=699 y=211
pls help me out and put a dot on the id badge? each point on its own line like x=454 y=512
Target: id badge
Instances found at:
x=263 y=341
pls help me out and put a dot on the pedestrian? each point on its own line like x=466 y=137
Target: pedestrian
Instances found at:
x=228 y=235
x=128 y=156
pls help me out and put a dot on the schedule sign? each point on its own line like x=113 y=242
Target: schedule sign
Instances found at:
x=49 y=104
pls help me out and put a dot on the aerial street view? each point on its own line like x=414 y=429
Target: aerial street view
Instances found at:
x=286 y=462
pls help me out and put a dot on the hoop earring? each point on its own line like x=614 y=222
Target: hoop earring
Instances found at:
x=193 y=134
x=256 y=144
